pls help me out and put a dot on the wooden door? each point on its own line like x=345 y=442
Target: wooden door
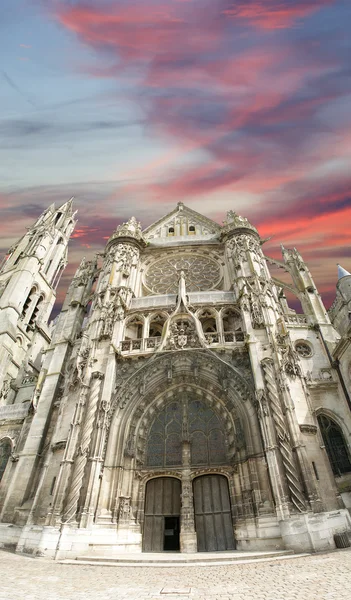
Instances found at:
x=162 y=499
x=213 y=519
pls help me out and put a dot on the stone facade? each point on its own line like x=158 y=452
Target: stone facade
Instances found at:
x=176 y=402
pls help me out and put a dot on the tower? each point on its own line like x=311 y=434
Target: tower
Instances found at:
x=28 y=280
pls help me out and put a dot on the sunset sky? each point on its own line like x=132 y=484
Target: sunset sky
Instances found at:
x=134 y=105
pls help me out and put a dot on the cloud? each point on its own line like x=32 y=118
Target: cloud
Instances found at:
x=251 y=99
x=272 y=14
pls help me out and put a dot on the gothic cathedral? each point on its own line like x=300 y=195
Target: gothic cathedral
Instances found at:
x=177 y=402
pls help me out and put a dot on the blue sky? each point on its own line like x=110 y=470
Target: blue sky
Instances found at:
x=222 y=104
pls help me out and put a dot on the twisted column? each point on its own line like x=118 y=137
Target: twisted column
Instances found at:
x=294 y=484
x=83 y=449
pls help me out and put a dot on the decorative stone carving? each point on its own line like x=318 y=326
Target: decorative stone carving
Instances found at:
x=130 y=229
x=82 y=361
x=124 y=509
x=303 y=349
x=234 y=222
x=125 y=257
x=6 y=386
x=307 y=428
x=61 y=445
x=182 y=335
x=256 y=312
x=289 y=358
x=84 y=273
x=261 y=404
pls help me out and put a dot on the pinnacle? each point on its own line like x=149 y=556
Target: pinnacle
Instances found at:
x=342 y=272
x=66 y=206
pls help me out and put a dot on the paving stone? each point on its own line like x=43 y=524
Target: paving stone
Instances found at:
x=322 y=577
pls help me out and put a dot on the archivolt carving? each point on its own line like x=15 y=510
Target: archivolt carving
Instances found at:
x=130 y=377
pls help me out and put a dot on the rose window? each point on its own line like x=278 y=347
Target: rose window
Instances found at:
x=303 y=349
x=201 y=273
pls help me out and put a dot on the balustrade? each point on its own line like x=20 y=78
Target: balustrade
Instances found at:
x=297 y=320
x=151 y=343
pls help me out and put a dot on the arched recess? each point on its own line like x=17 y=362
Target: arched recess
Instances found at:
x=232 y=325
x=133 y=328
x=209 y=322
x=143 y=393
x=156 y=323
x=5 y=453
x=335 y=444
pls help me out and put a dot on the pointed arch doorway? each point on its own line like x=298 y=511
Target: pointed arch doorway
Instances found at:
x=188 y=510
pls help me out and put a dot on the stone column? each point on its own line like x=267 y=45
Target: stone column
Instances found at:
x=54 y=515
x=299 y=447
x=95 y=462
x=188 y=539
x=81 y=458
x=283 y=438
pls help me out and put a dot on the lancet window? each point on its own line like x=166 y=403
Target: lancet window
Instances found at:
x=5 y=453
x=335 y=445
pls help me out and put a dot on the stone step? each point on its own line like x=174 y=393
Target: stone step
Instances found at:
x=178 y=560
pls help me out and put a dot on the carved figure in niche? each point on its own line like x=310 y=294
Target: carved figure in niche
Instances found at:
x=109 y=319
x=261 y=404
x=124 y=508
x=256 y=312
x=129 y=449
x=6 y=386
x=288 y=356
x=82 y=360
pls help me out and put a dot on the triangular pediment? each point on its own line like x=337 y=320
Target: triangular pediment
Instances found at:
x=182 y=222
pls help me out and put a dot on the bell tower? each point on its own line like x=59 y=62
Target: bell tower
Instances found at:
x=28 y=279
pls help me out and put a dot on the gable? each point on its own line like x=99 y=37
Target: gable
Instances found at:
x=182 y=222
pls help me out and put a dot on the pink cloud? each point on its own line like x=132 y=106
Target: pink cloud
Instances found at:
x=273 y=14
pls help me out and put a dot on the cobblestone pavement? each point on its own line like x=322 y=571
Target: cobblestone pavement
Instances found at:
x=316 y=577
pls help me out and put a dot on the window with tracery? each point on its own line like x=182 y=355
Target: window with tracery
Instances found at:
x=5 y=453
x=165 y=440
x=201 y=273
x=197 y=422
x=207 y=441
x=335 y=445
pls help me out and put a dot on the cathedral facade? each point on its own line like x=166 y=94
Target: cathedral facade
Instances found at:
x=177 y=402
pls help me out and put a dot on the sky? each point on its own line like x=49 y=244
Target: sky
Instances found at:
x=131 y=106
